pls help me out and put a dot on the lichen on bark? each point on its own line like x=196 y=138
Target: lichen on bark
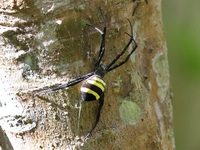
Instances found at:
x=47 y=43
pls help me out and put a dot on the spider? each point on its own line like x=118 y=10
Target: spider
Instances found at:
x=93 y=85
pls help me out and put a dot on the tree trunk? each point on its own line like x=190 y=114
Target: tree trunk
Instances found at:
x=46 y=43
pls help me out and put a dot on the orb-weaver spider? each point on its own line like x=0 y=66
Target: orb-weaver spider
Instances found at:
x=93 y=86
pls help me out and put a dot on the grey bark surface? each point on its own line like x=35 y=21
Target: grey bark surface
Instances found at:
x=46 y=43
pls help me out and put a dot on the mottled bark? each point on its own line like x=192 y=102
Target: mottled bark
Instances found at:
x=47 y=43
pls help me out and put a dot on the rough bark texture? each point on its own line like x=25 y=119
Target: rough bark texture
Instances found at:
x=45 y=43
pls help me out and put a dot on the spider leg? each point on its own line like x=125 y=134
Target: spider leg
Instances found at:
x=101 y=102
x=126 y=59
x=109 y=68
x=103 y=33
x=70 y=83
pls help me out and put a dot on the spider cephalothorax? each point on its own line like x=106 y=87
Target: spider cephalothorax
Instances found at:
x=93 y=85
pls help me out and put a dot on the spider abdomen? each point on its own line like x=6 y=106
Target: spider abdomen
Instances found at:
x=92 y=88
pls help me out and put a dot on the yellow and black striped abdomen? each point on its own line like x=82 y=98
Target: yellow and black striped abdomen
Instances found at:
x=92 y=88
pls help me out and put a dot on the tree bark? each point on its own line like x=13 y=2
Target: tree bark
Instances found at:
x=46 y=43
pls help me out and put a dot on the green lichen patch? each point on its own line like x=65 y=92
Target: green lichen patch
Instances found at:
x=129 y=112
x=160 y=66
